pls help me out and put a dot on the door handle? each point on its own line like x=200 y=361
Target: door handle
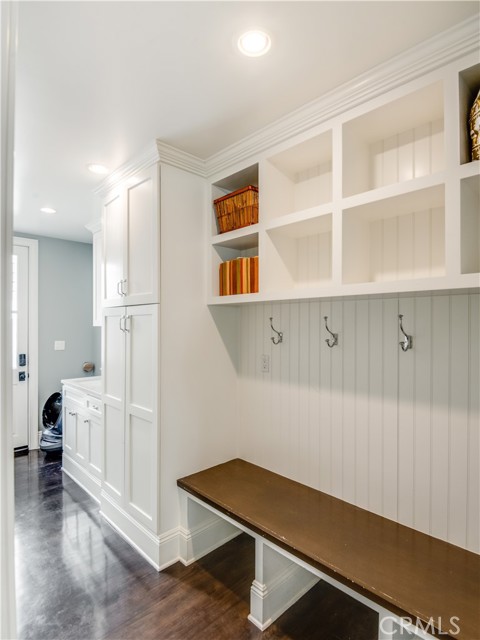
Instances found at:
x=22 y=376
x=119 y=285
x=122 y=288
x=22 y=359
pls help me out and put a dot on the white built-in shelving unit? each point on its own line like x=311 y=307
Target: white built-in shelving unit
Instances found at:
x=380 y=198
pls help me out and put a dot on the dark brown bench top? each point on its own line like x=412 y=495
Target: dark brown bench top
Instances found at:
x=407 y=572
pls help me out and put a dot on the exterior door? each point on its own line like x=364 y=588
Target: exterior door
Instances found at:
x=20 y=356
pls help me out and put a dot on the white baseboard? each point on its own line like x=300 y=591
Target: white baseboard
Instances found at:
x=268 y=602
x=144 y=541
x=82 y=477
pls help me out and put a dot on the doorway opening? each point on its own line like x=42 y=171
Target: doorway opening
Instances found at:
x=25 y=420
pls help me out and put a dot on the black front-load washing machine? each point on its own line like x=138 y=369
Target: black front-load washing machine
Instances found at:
x=51 y=438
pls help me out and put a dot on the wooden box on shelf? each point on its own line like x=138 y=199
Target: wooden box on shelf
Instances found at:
x=238 y=276
x=237 y=209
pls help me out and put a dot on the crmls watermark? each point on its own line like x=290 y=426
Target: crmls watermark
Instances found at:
x=434 y=626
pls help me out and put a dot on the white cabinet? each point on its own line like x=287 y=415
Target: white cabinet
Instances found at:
x=131 y=241
x=382 y=198
x=131 y=395
x=83 y=433
x=96 y=229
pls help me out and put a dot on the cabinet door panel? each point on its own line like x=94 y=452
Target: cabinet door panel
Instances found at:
x=113 y=396
x=113 y=249
x=141 y=414
x=141 y=462
x=96 y=447
x=83 y=429
x=113 y=346
x=114 y=461
x=143 y=244
x=141 y=359
x=69 y=430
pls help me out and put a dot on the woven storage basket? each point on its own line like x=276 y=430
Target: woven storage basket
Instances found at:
x=237 y=209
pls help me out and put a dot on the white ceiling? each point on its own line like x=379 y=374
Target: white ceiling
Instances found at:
x=99 y=81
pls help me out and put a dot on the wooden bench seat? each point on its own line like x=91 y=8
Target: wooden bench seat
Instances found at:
x=405 y=572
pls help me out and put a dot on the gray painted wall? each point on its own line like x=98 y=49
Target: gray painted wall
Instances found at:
x=65 y=313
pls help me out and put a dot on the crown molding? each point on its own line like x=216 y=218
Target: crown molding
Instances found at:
x=444 y=48
x=94 y=226
x=145 y=159
x=181 y=159
x=424 y=58
x=156 y=151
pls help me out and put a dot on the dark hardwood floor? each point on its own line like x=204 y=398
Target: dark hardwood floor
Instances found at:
x=77 y=579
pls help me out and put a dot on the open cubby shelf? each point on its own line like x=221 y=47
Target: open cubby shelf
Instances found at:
x=383 y=199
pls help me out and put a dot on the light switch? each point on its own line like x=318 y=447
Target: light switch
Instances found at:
x=59 y=345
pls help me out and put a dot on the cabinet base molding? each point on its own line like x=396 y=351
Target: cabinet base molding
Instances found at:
x=78 y=474
x=268 y=600
x=160 y=551
x=197 y=542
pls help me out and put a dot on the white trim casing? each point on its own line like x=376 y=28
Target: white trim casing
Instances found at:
x=8 y=46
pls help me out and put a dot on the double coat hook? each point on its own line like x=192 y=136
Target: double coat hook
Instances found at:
x=279 y=338
x=334 y=339
x=407 y=342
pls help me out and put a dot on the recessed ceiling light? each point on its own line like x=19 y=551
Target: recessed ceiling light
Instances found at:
x=254 y=43
x=97 y=168
x=48 y=210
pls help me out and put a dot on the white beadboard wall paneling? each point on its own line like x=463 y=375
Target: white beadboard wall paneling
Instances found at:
x=473 y=497
x=336 y=400
x=391 y=431
x=410 y=154
x=391 y=354
x=375 y=397
x=458 y=407
x=347 y=348
x=439 y=467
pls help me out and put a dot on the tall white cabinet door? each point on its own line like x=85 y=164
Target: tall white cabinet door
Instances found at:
x=141 y=420
x=141 y=271
x=114 y=250
x=113 y=396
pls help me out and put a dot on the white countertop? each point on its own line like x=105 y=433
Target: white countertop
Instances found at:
x=88 y=384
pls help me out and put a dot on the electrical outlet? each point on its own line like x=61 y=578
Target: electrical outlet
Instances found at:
x=265 y=363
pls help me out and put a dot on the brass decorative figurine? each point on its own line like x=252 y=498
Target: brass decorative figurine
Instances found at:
x=474 y=123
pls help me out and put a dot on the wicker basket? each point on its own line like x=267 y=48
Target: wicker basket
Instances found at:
x=237 y=209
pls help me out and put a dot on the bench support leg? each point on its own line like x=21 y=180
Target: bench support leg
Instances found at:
x=278 y=584
x=386 y=626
